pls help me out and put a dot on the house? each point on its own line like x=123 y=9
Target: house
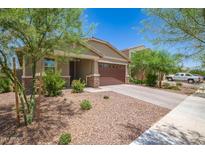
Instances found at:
x=128 y=52
x=99 y=64
x=140 y=75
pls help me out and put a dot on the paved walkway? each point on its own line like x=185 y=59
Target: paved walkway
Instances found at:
x=183 y=125
x=158 y=97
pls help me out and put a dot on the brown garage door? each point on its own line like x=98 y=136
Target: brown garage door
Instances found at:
x=111 y=74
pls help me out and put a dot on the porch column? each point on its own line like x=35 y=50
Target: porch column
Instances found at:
x=95 y=67
x=93 y=80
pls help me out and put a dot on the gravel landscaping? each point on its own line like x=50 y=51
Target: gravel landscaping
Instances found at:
x=117 y=120
x=185 y=89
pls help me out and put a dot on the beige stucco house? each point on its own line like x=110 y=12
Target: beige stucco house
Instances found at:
x=99 y=64
x=128 y=52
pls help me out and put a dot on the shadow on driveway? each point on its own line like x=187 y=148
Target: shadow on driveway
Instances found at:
x=168 y=134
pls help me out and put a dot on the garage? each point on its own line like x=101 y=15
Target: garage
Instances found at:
x=111 y=74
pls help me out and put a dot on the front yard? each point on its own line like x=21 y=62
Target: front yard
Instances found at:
x=117 y=120
x=184 y=88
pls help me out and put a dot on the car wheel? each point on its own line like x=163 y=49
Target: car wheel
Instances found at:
x=190 y=81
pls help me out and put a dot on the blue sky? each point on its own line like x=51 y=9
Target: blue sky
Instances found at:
x=121 y=27
x=117 y=26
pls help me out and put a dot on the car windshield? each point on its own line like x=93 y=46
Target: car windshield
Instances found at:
x=188 y=74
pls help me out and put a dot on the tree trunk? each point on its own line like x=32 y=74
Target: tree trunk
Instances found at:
x=39 y=96
x=16 y=93
x=160 y=79
x=33 y=79
x=141 y=75
x=33 y=90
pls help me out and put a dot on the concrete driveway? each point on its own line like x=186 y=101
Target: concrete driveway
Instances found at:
x=158 y=97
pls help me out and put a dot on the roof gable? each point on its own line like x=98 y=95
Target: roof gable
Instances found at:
x=106 y=49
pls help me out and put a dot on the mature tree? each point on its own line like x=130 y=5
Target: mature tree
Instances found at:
x=153 y=62
x=198 y=71
x=202 y=60
x=37 y=32
x=182 y=28
x=163 y=63
x=140 y=63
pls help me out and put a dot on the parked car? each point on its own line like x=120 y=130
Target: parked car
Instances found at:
x=190 y=78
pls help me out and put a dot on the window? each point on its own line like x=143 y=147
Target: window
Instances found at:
x=106 y=65
x=182 y=74
x=188 y=74
x=101 y=65
x=49 y=64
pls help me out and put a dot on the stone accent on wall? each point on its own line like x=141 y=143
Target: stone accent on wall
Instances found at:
x=93 y=80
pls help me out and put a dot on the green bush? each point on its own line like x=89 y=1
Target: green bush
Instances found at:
x=86 y=105
x=5 y=85
x=53 y=83
x=136 y=81
x=151 y=80
x=77 y=86
x=64 y=139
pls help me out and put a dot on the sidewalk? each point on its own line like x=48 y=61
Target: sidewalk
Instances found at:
x=183 y=125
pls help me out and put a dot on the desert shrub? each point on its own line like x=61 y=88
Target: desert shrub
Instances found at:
x=166 y=85
x=173 y=87
x=5 y=85
x=151 y=80
x=64 y=139
x=77 y=86
x=86 y=105
x=53 y=83
x=178 y=84
x=136 y=81
x=131 y=80
x=29 y=118
x=106 y=97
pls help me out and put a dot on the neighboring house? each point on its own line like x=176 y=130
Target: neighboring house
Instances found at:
x=100 y=64
x=128 y=52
